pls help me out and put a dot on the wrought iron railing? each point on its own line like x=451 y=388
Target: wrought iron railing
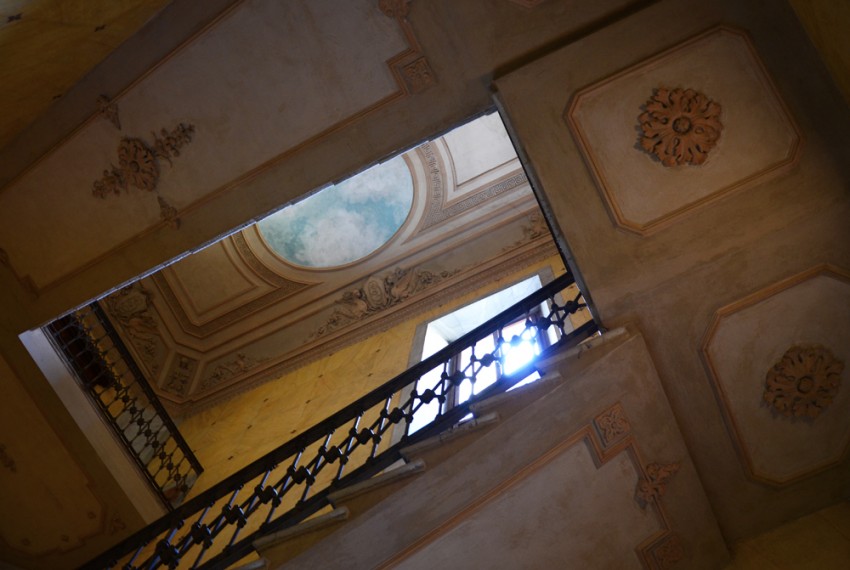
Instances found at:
x=217 y=528
x=111 y=379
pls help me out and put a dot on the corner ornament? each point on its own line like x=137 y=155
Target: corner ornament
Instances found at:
x=139 y=167
x=651 y=487
x=803 y=382
x=679 y=126
x=394 y=8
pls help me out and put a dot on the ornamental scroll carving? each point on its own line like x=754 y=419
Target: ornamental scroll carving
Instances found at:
x=180 y=377
x=679 y=126
x=379 y=294
x=652 y=487
x=241 y=364
x=139 y=167
x=803 y=382
x=132 y=308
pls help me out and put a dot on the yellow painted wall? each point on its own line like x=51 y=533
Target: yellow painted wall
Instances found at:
x=819 y=541
x=827 y=23
x=231 y=435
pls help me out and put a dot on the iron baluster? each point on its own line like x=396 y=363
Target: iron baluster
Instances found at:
x=358 y=467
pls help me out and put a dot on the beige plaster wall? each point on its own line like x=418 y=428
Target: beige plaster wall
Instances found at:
x=59 y=506
x=673 y=281
x=230 y=435
x=826 y=22
x=491 y=39
x=807 y=221
x=542 y=490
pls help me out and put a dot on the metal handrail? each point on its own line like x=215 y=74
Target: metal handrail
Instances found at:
x=158 y=544
x=90 y=346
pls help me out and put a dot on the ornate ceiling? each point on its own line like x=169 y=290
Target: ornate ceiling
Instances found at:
x=238 y=312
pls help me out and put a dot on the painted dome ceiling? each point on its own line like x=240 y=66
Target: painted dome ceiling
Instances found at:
x=345 y=222
x=437 y=221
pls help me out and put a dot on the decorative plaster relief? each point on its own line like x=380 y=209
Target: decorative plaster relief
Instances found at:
x=180 y=376
x=138 y=166
x=132 y=308
x=680 y=126
x=109 y=111
x=137 y=162
x=803 y=382
x=379 y=294
x=418 y=75
x=612 y=425
x=395 y=8
x=535 y=228
x=437 y=212
x=762 y=373
x=239 y=365
x=7 y=460
x=651 y=488
x=667 y=552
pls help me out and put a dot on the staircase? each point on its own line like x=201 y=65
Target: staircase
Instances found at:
x=305 y=545
x=291 y=497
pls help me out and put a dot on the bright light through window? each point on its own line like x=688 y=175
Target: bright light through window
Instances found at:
x=520 y=348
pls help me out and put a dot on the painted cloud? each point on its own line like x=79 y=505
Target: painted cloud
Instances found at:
x=344 y=222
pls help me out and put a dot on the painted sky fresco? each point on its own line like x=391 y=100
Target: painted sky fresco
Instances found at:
x=344 y=222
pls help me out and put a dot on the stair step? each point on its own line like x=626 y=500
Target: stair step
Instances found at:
x=437 y=448
x=508 y=403
x=362 y=496
x=279 y=547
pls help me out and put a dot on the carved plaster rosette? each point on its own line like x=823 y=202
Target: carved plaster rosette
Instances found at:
x=803 y=382
x=612 y=425
x=679 y=126
x=138 y=164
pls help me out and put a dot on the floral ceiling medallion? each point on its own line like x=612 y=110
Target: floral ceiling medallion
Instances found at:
x=139 y=167
x=679 y=126
x=803 y=382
